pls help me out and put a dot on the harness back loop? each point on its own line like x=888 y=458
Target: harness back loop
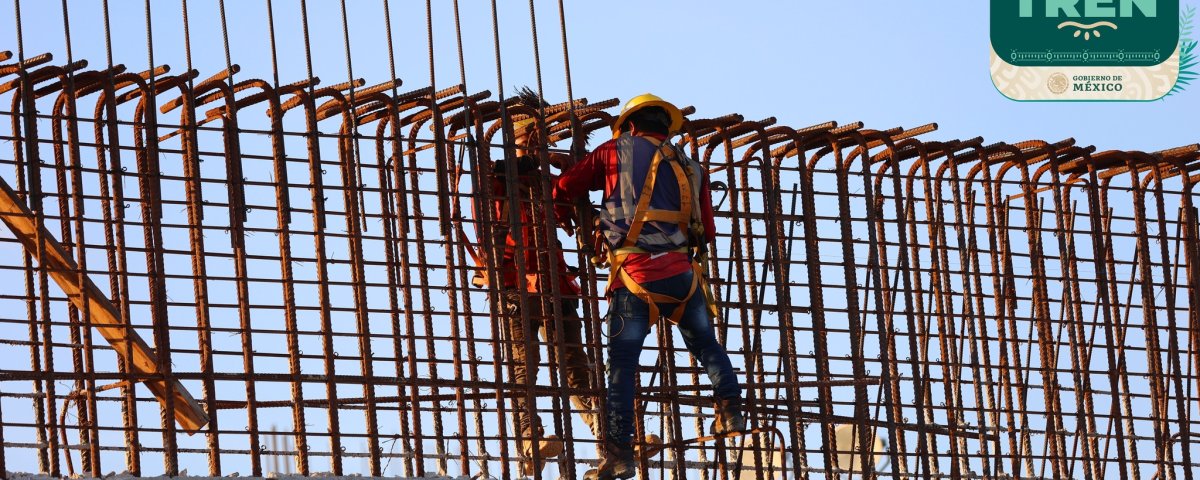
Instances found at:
x=642 y=213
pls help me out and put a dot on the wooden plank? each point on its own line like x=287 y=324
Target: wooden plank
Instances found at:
x=104 y=317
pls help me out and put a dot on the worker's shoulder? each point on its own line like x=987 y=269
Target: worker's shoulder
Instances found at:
x=606 y=146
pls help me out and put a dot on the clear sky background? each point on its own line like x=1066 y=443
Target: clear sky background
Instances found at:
x=887 y=64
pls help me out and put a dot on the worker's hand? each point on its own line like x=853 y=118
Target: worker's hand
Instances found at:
x=561 y=160
x=566 y=218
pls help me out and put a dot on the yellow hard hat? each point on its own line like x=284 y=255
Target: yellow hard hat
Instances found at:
x=648 y=100
x=521 y=127
x=526 y=126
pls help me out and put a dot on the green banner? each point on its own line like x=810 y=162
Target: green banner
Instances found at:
x=1127 y=33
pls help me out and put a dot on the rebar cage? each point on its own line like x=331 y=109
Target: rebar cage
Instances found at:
x=232 y=275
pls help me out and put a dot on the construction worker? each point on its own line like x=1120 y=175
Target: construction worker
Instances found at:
x=535 y=260
x=656 y=221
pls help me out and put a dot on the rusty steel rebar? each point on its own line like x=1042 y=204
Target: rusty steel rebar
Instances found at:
x=1015 y=310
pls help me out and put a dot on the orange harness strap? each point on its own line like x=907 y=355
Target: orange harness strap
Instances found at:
x=642 y=214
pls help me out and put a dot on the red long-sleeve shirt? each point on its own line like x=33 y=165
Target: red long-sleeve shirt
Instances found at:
x=598 y=171
x=536 y=258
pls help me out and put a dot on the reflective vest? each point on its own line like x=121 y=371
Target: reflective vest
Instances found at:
x=647 y=212
x=669 y=213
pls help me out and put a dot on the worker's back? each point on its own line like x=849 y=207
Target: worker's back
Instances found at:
x=535 y=245
x=635 y=155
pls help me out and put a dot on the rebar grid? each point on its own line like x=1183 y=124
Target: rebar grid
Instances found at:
x=1022 y=310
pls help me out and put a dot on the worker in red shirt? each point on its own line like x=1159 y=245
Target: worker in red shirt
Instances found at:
x=656 y=219
x=534 y=256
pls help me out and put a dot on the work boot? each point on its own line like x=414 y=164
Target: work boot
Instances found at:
x=587 y=411
x=549 y=446
x=618 y=463
x=729 y=416
x=651 y=445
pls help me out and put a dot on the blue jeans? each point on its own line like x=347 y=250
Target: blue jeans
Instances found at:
x=628 y=325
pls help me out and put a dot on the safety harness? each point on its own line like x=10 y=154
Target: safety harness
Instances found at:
x=686 y=218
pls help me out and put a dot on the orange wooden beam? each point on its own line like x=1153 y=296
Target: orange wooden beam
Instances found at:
x=124 y=340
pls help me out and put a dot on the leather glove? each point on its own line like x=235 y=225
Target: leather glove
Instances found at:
x=566 y=218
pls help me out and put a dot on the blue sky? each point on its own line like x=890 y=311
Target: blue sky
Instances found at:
x=885 y=63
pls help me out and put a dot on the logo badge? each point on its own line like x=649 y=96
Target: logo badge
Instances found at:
x=1085 y=49
x=1058 y=84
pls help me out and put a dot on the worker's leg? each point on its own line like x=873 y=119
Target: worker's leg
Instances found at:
x=549 y=445
x=518 y=332
x=628 y=324
x=575 y=364
x=697 y=330
x=696 y=327
x=574 y=361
